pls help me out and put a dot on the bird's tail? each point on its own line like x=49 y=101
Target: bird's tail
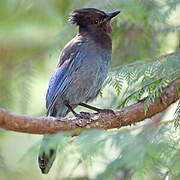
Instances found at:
x=47 y=153
x=49 y=145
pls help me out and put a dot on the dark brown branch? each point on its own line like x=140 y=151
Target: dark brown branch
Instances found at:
x=123 y=117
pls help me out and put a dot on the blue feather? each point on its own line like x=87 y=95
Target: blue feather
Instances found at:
x=54 y=84
x=60 y=79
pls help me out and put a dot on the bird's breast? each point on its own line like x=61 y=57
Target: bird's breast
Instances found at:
x=88 y=78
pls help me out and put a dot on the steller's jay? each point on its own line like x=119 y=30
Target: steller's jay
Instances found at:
x=81 y=70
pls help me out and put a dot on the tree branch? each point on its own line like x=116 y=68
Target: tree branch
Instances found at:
x=123 y=117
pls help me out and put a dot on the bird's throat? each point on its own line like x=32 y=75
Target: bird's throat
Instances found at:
x=100 y=37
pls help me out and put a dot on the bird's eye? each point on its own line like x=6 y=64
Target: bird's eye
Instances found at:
x=96 y=22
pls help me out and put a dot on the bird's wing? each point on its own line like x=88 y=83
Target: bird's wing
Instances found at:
x=62 y=76
x=55 y=81
x=71 y=49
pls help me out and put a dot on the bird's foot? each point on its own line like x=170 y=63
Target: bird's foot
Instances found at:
x=85 y=115
x=83 y=119
x=106 y=111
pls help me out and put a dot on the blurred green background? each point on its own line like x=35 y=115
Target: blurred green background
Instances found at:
x=33 y=33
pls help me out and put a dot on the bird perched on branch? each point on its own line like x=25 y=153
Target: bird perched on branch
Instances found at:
x=81 y=70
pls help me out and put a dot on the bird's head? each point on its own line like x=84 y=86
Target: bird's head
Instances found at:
x=92 y=20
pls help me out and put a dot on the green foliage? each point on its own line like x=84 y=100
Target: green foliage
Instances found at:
x=135 y=153
x=146 y=154
x=177 y=116
x=32 y=35
x=142 y=78
x=4 y=170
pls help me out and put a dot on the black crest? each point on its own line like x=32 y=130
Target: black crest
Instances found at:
x=83 y=16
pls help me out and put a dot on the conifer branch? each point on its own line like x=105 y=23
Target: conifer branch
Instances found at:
x=123 y=117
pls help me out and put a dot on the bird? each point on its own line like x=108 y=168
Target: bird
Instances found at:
x=82 y=67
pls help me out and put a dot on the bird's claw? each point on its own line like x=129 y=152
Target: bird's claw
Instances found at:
x=85 y=115
x=107 y=111
x=83 y=119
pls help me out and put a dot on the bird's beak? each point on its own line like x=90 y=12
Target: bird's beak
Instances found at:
x=111 y=15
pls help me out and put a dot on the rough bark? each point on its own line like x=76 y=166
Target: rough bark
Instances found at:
x=123 y=117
